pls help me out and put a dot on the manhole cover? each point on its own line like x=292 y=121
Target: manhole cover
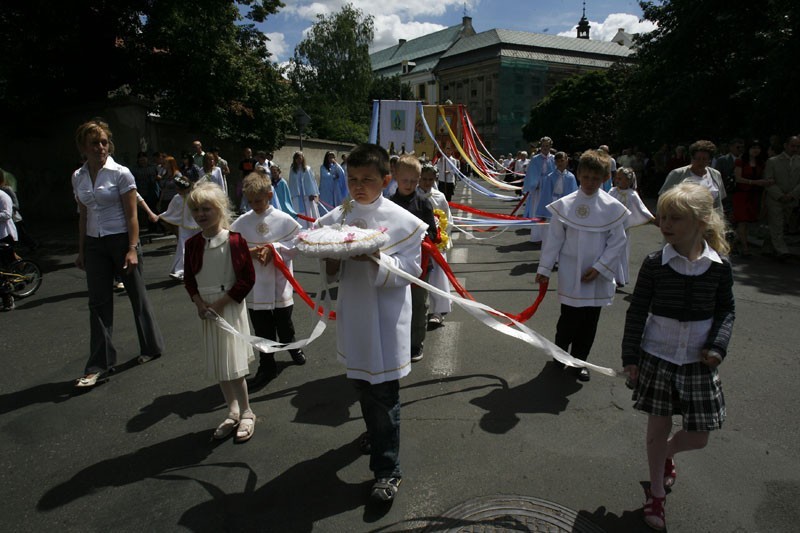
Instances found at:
x=512 y=513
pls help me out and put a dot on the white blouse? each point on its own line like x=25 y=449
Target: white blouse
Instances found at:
x=105 y=214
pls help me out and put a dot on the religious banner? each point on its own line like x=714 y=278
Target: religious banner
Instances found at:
x=397 y=122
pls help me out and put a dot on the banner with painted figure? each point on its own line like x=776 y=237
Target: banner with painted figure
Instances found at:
x=424 y=147
x=442 y=133
x=397 y=121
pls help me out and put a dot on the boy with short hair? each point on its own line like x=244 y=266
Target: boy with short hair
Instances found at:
x=407 y=172
x=373 y=310
x=585 y=237
x=439 y=306
x=270 y=303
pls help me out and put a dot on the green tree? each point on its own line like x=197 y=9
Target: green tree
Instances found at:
x=195 y=60
x=332 y=75
x=212 y=73
x=713 y=69
x=578 y=113
x=390 y=88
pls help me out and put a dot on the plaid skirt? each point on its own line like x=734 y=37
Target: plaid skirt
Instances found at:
x=693 y=391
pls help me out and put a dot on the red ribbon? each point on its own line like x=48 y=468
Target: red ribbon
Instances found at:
x=430 y=251
x=307 y=219
x=487 y=214
x=281 y=266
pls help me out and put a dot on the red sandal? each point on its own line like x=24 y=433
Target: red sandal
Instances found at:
x=670 y=474
x=654 y=511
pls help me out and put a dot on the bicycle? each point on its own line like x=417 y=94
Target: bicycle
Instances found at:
x=22 y=275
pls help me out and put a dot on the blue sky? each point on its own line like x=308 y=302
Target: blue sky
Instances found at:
x=408 y=19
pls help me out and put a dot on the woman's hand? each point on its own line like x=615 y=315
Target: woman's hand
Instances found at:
x=131 y=261
x=541 y=278
x=79 y=262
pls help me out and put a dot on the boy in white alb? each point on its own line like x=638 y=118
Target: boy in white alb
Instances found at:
x=373 y=310
x=270 y=303
x=585 y=237
x=439 y=306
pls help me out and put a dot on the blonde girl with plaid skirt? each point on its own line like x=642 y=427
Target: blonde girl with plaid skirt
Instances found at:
x=677 y=331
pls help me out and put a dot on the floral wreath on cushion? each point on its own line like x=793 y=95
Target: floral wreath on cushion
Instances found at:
x=340 y=241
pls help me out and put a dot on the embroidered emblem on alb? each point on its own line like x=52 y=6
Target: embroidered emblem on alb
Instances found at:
x=262 y=228
x=359 y=223
x=582 y=211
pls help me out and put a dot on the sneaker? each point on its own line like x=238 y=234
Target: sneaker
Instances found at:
x=8 y=303
x=385 y=489
x=177 y=276
x=119 y=286
x=416 y=355
x=298 y=357
x=583 y=375
x=436 y=319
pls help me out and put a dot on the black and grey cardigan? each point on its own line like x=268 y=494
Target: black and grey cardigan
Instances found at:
x=662 y=291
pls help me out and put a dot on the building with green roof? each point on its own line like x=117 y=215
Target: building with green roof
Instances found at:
x=498 y=74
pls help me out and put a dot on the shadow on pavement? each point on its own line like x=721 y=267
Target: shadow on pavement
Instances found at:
x=184 y=404
x=546 y=393
x=149 y=462
x=322 y=402
x=306 y=493
x=628 y=522
x=523 y=246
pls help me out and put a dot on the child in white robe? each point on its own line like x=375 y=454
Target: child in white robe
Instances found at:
x=270 y=303
x=373 y=310
x=625 y=193
x=585 y=238
x=178 y=214
x=438 y=305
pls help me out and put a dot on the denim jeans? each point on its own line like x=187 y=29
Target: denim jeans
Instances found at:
x=380 y=406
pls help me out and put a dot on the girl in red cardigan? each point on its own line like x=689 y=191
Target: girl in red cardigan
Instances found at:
x=218 y=274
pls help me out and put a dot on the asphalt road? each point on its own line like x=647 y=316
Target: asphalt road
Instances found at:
x=483 y=415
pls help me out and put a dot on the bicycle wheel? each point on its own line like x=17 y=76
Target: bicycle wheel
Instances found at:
x=30 y=278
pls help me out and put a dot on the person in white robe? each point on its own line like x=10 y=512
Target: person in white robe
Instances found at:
x=179 y=215
x=625 y=193
x=438 y=305
x=270 y=302
x=373 y=309
x=304 y=189
x=585 y=237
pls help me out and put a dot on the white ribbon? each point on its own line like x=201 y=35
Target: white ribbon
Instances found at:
x=269 y=346
x=483 y=313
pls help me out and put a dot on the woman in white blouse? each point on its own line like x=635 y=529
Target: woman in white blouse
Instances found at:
x=108 y=244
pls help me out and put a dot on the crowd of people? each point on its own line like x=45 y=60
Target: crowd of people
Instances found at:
x=238 y=268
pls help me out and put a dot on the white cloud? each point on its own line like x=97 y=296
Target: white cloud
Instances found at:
x=406 y=10
x=389 y=29
x=605 y=31
x=277 y=45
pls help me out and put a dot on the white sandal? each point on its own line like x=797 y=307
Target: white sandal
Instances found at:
x=89 y=380
x=227 y=426
x=247 y=426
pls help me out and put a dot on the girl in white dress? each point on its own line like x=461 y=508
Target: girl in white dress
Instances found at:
x=218 y=275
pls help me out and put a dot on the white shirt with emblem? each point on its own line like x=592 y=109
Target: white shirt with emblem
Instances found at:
x=272 y=290
x=585 y=232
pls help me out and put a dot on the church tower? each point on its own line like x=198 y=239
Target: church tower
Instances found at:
x=583 y=25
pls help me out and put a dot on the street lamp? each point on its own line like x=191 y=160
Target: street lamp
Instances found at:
x=301 y=119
